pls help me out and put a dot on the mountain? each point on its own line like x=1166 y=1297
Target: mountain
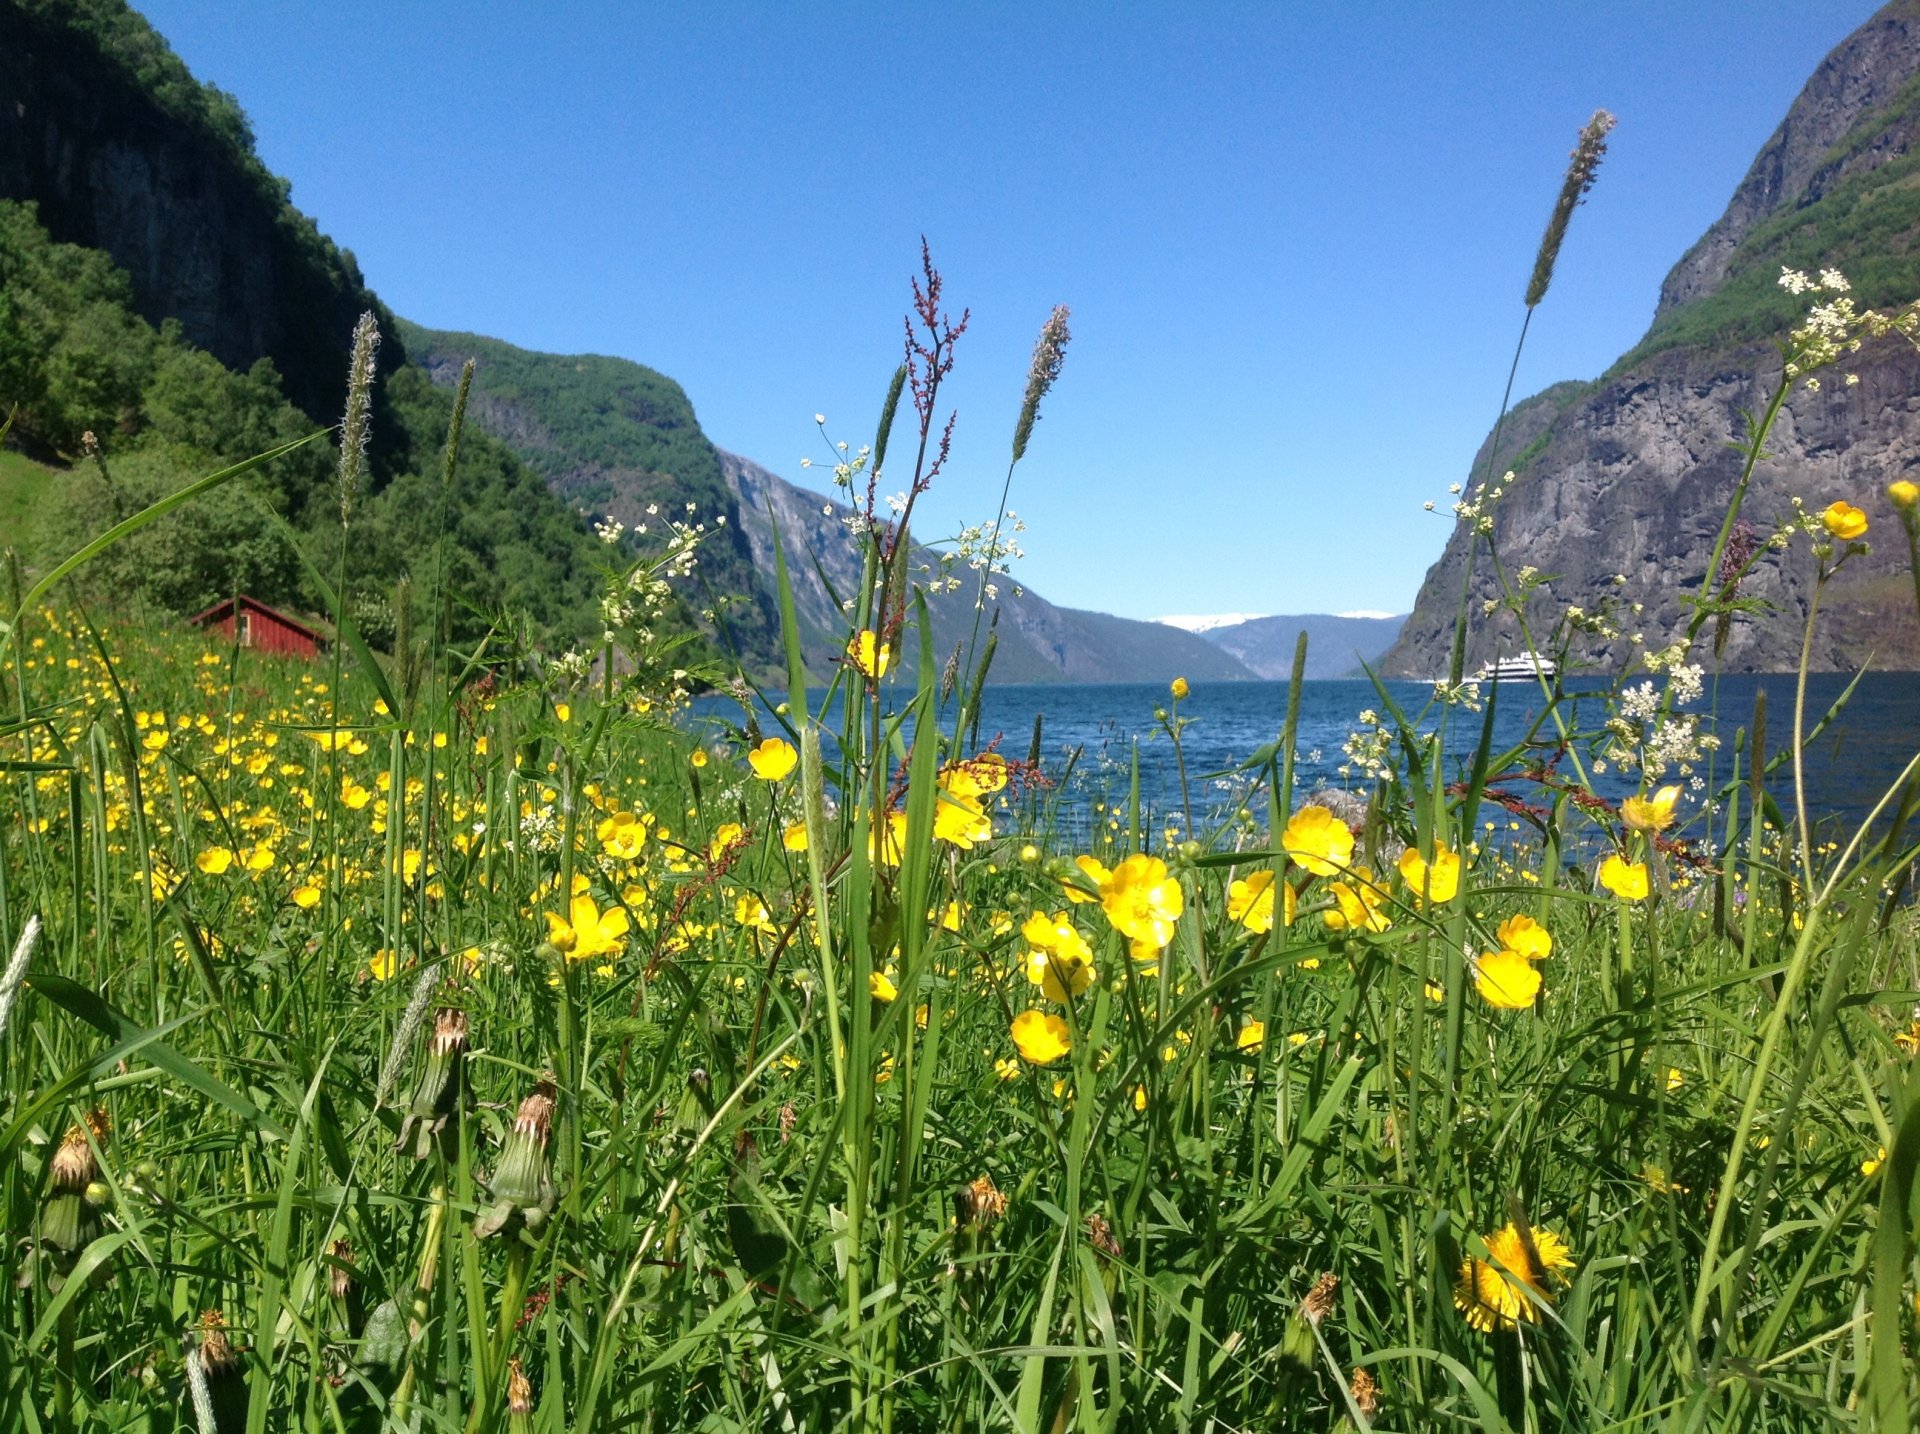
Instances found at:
x=163 y=295
x=1336 y=646
x=615 y=440
x=1621 y=483
x=1036 y=641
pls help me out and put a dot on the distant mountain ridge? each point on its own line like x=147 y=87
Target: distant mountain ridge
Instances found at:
x=1036 y=641
x=1336 y=646
x=1622 y=482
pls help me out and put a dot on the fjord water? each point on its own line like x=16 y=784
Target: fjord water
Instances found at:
x=1848 y=768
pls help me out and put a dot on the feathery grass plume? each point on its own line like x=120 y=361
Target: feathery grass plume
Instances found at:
x=409 y=1027
x=357 y=426
x=1581 y=171
x=16 y=973
x=1048 y=353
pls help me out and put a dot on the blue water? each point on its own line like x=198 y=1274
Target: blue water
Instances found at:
x=1847 y=769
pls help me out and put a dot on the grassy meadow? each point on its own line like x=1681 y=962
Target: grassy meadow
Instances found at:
x=454 y=1038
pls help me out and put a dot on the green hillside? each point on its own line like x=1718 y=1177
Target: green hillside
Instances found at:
x=616 y=440
x=76 y=360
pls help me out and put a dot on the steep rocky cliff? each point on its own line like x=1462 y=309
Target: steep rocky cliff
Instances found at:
x=1038 y=642
x=121 y=149
x=1628 y=477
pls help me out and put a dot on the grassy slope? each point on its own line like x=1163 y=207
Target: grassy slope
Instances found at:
x=23 y=485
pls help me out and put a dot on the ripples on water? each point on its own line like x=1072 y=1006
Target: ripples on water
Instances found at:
x=1847 y=769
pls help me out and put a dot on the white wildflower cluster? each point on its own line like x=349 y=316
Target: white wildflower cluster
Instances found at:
x=539 y=828
x=1465 y=694
x=1480 y=511
x=608 y=530
x=988 y=549
x=569 y=666
x=1599 y=623
x=636 y=599
x=1833 y=327
x=1367 y=748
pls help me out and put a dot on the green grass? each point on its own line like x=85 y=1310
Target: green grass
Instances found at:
x=24 y=485
x=476 y=1046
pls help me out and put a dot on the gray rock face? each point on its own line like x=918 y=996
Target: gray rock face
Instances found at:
x=206 y=238
x=1804 y=158
x=1623 y=484
x=1633 y=482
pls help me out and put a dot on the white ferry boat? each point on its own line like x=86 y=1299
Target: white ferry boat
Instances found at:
x=1527 y=668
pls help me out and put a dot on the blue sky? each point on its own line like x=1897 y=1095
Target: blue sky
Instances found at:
x=1294 y=237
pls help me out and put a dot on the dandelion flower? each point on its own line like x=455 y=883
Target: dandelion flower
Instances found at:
x=1509 y=1290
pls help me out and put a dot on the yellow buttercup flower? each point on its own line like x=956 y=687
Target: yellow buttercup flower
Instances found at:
x=1318 y=840
x=306 y=896
x=1436 y=881
x=1143 y=903
x=960 y=820
x=698 y=757
x=880 y=986
x=1524 y=935
x=1625 y=879
x=1844 y=521
x=1360 y=905
x=869 y=654
x=1095 y=873
x=1904 y=494
x=1040 y=1038
x=1251 y=1035
x=1650 y=814
x=214 y=860
x=976 y=777
x=751 y=912
x=384 y=965
x=1872 y=1167
x=1506 y=979
x=1178 y=687
x=1510 y=1289
x=623 y=835
x=794 y=838
x=1061 y=962
x=587 y=931
x=772 y=759
x=1250 y=902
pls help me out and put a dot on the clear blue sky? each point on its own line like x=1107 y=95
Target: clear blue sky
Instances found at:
x=1294 y=237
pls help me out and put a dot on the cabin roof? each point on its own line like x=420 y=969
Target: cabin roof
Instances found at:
x=226 y=605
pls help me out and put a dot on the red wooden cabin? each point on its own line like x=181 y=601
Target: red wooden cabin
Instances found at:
x=254 y=624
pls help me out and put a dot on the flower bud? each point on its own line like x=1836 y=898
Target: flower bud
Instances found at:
x=437 y=1097
x=522 y=1188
